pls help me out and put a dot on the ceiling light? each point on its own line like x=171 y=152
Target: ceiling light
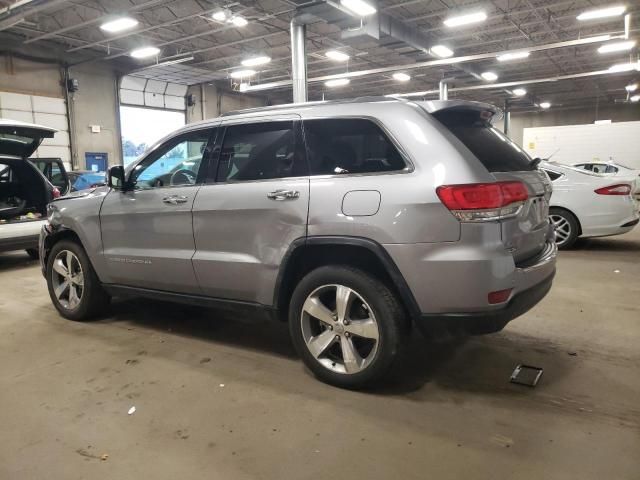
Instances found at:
x=119 y=24
x=441 y=51
x=242 y=73
x=145 y=52
x=255 y=61
x=602 y=13
x=337 y=82
x=358 y=7
x=239 y=21
x=512 y=56
x=519 y=92
x=489 y=76
x=635 y=98
x=631 y=88
x=465 y=19
x=545 y=105
x=401 y=77
x=172 y=62
x=337 y=56
x=219 y=16
x=624 y=67
x=617 y=46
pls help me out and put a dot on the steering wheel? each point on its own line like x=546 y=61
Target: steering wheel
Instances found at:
x=182 y=177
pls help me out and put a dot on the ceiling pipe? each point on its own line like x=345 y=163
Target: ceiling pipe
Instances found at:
x=434 y=63
x=16 y=13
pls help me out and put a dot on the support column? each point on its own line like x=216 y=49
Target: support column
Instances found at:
x=507 y=118
x=444 y=90
x=299 y=61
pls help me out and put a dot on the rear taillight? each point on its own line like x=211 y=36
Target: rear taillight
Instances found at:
x=499 y=296
x=473 y=202
x=620 y=189
x=55 y=192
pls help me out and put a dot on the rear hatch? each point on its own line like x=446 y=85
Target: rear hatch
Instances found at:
x=524 y=234
x=20 y=139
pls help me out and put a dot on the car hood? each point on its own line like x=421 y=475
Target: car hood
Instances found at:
x=20 y=139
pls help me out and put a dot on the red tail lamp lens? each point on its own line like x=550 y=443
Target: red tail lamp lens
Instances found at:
x=620 y=189
x=55 y=192
x=499 y=296
x=482 y=196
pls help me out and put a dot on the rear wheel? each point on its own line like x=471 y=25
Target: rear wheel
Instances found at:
x=347 y=326
x=566 y=227
x=74 y=287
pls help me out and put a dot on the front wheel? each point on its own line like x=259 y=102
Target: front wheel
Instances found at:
x=74 y=287
x=566 y=227
x=348 y=327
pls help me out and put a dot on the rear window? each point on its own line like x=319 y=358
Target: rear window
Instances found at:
x=496 y=151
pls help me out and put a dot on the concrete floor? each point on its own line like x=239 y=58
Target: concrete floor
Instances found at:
x=224 y=398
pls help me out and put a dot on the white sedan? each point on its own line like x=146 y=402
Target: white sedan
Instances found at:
x=586 y=204
x=613 y=169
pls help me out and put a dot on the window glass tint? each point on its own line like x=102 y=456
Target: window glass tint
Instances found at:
x=260 y=151
x=552 y=175
x=349 y=146
x=496 y=151
x=175 y=163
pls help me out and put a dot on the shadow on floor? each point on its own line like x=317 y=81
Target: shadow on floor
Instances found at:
x=607 y=244
x=15 y=261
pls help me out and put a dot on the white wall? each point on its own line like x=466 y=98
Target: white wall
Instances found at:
x=579 y=143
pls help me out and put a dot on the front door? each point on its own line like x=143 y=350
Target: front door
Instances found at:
x=254 y=207
x=147 y=231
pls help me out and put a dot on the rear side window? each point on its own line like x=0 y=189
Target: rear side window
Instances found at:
x=342 y=146
x=496 y=151
x=260 y=151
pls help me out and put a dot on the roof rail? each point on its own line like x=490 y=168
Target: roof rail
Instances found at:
x=370 y=99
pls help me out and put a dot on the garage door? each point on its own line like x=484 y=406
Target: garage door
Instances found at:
x=140 y=92
x=47 y=111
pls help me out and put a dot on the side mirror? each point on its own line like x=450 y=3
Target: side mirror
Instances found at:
x=115 y=178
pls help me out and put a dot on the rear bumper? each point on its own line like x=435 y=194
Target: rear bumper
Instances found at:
x=485 y=322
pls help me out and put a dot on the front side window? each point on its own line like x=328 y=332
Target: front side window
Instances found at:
x=345 y=145
x=176 y=163
x=260 y=151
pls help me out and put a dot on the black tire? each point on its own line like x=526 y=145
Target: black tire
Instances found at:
x=569 y=224
x=392 y=325
x=93 y=300
x=33 y=253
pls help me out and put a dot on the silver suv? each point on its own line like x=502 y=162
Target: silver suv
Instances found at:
x=352 y=220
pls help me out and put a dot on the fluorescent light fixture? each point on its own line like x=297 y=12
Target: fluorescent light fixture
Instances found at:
x=489 y=76
x=337 y=82
x=519 y=92
x=512 y=56
x=242 y=73
x=635 y=98
x=172 y=62
x=219 y=16
x=545 y=105
x=441 y=51
x=243 y=87
x=465 y=19
x=359 y=7
x=401 y=77
x=617 y=46
x=337 y=56
x=239 y=21
x=255 y=61
x=145 y=52
x=119 y=24
x=631 y=88
x=602 y=13
x=624 y=67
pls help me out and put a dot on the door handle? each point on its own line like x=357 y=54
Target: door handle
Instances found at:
x=283 y=195
x=175 y=199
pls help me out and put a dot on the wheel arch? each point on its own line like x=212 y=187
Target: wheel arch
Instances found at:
x=568 y=210
x=306 y=254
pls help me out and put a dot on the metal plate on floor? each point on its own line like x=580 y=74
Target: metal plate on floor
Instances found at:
x=526 y=375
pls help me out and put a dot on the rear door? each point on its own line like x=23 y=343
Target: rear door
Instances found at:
x=54 y=171
x=525 y=234
x=254 y=206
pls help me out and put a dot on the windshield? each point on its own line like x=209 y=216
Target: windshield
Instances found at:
x=496 y=151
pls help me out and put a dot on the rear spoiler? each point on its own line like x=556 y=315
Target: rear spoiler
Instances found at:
x=433 y=106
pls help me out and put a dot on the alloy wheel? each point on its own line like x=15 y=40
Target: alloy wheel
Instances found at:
x=562 y=227
x=67 y=279
x=340 y=329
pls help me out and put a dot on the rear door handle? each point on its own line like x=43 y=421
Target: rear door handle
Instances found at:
x=175 y=199
x=283 y=195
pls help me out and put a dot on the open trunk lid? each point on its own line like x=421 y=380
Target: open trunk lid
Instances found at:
x=20 y=139
x=524 y=234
